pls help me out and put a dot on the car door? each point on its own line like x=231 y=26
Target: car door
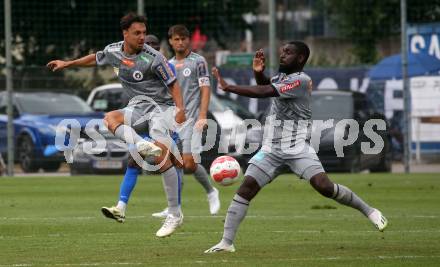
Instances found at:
x=361 y=115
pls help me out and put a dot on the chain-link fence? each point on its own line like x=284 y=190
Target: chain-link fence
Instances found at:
x=346 y=37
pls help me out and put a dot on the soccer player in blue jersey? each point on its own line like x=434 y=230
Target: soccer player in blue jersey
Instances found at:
x=155 y=98
x=291 y=92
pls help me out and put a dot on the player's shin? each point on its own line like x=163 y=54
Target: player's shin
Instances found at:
x=235 y=215
x=347 y=197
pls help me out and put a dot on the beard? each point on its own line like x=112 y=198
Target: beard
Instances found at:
x=283 y=69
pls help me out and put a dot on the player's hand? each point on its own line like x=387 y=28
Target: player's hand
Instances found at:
x=222 y=83
x=259 y=62
x=180 y=116
x=201 y=124
x=55 y=65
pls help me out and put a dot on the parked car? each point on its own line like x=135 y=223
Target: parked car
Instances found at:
x=110 y=158
x=338 y=105
x=110 y=97
x=36 y=118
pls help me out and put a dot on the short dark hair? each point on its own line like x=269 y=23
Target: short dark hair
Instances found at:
x=178 y=29
x=131 y=18
x=302 y=49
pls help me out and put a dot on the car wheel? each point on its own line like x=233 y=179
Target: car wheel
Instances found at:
x=28 y=163
x=51 y=166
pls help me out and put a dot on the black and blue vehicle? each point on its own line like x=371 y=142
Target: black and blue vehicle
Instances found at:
x=36 y=118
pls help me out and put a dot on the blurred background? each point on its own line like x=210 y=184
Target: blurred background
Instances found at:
x=356 y=47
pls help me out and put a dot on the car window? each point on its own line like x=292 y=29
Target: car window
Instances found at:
x=52 y=104
x=336 y=107
x=108 y=100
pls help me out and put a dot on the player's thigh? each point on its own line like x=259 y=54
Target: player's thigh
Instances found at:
x=305 y=165
x=263 y=167
x=134 y=116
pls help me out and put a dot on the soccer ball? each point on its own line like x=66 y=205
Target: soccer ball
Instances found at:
x=225 y=170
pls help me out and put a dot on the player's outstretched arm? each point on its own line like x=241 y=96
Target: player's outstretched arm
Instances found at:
x=178 y=101
x=258 y=66
x=87 y=61
x=256 y=91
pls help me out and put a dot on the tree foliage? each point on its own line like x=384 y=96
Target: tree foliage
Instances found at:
x=365 y=22
x=46 y=29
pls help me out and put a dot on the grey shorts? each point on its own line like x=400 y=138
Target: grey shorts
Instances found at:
x=266 y=166
x=156 y=120
x=191 y=140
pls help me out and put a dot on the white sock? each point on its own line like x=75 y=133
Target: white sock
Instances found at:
x=121 y=206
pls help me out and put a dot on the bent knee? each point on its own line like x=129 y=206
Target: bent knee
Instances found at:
x=113 y=119
x=322 y=184
x=249 y=188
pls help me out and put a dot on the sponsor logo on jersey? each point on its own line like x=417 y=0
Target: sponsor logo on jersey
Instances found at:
x=138 y=76
x=204 y=81
x=127 y=62
x=162 y=72
x=145 y=59
x=186 y=72
x=201 y=69
x=290 y=86
x=100 y=56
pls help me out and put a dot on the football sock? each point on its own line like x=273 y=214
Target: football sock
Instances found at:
x=180 y=176
x=236 y=213
x=202 y=177
x=346 y=197
x=127 y=134
x=171 y=185
x=127 y=185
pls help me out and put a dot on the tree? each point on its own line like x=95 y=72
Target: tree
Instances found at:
x=365 y=22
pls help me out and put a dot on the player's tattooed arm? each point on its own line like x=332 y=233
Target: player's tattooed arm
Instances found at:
x=87 y=61
x=258 y=66
x=178 y=100
x=256 y=91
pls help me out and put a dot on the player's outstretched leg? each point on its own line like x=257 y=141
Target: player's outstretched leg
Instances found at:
x=235 y=215
x=127 y=185
x=114 y=121
x=342 y=194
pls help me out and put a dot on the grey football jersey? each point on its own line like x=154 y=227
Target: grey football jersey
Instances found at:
x=146 y=73
x=291 y=106
x=192 y=73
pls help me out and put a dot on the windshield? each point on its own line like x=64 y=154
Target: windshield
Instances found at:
x=336 y=107
x=52 y=104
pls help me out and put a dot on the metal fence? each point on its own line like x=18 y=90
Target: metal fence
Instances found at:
x=341 y=33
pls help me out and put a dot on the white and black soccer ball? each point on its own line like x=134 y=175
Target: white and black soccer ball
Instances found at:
x=225 y=170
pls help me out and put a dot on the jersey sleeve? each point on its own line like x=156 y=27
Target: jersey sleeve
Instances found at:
x=172 y=67
x=292 y=86
x=103 y=57
x=162 y=70
x=202 y=73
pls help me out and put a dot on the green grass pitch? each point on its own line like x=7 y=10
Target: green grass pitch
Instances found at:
x=56 y=221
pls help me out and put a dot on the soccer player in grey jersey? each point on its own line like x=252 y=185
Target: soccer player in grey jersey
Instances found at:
x=291 y=91
x=153 y=90
x=193 y=77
